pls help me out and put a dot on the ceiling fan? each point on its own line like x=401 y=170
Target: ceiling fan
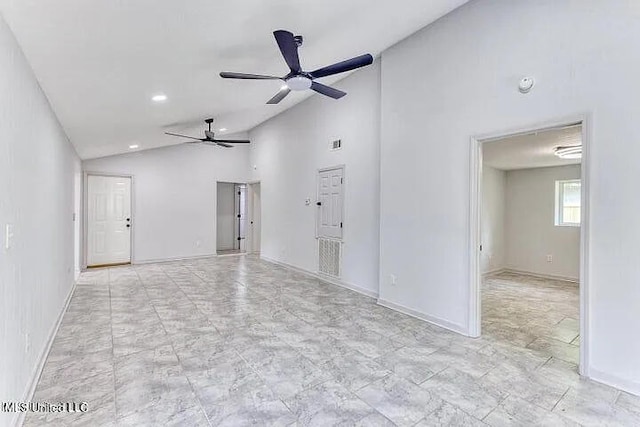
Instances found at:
x=210 y=139
x=297 y=79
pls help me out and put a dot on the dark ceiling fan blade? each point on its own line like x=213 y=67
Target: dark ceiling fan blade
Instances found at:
x=243 y=76
x=279 y=96
x=184 y=136
x=222 y=144
x=232 y=141
x=288 y=48
x=341 y=67
x=327 y=90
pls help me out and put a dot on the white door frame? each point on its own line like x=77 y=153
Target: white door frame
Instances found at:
x=475 y=300
x=85 y=213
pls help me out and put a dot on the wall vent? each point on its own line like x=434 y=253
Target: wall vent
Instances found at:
x=330 y=257
x=336 y=144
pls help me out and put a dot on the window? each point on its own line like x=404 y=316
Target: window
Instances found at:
x=568 y=203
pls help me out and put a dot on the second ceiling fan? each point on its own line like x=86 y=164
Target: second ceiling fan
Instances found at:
x=298 y=79
x=210 y=138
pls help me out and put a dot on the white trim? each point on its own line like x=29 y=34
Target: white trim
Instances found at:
x=623 y=384
x=494 y=271
x=573 y=280
x=427 y=318
x=85 y=213
x=18 y=419
x=324 y=278
x=474 y=320
x=182 y=258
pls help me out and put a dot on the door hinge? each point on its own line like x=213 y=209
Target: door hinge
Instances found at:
x=341 y=180
x=480 y=247
x=340 y=225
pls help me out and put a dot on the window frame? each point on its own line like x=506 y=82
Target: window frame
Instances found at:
x=559 y=203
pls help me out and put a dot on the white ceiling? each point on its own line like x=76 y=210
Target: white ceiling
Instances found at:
x=100 y=61
x=532 y=150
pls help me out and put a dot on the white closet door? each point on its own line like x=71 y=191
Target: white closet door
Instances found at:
x=331 y=199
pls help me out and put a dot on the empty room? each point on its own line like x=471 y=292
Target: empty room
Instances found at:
x=530 y=255
x=319 y=213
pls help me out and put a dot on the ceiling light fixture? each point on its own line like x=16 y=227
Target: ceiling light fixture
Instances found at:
x=298 y=83
x=159 y=98
x=134 y=146
x=223 y=129
x=573 y=152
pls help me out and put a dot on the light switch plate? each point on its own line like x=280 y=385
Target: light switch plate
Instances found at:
x=8 y=236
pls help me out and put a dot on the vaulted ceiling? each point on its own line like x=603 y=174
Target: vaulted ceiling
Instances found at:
x=100 y=61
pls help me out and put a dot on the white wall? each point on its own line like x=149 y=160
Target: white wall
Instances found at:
x=289 y=149
x=531 y=233
x=458 y=78
x=226 y=212
x=175 y=196
x=492 y=257
x=37 y=165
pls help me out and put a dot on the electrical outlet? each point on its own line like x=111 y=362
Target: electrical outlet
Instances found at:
x=392 y=279
x=549 y=258
x=8 y=236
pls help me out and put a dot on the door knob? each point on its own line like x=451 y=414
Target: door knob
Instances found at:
x=128 y=219
x=128 y=225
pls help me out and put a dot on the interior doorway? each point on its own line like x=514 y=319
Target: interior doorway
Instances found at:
x=231 y=218
x=529 y=224
x=109 y=221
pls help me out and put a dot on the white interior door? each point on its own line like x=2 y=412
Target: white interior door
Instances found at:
x=330 y=199
x=241 y=216
x=108 y=220
x=255 y=232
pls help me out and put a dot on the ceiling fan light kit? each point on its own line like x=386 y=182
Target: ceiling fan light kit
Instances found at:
x=298 y=79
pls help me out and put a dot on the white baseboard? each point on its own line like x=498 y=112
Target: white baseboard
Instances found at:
x=534 y=274
x=18 y=420
x=454 y=327
x=615 y=381
x=184 y=258
x=494 y=271
x=328 y=279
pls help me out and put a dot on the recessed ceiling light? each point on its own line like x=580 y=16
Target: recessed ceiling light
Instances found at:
x=223 y=129
x=573 y=152
x=133 y=146
x=159 y=97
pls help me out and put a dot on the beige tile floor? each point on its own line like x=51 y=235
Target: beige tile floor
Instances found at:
x=237 y=341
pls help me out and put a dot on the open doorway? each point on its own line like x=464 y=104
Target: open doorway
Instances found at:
x=528 y=235
x=231 y=217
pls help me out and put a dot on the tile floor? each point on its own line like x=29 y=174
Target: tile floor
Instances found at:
x=236 y=341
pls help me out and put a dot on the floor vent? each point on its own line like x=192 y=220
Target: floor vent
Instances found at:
x=330 y=257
